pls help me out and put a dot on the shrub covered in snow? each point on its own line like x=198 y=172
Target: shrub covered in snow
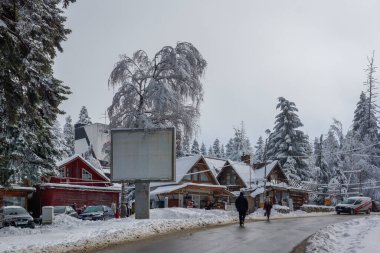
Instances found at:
x=316 y=208
x=281 y=209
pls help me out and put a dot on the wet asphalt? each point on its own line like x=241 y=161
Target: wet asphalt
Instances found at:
x=277 y=236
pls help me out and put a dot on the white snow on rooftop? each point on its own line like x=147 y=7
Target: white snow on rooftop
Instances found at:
x=215 y=164
x=259 y=173
x=67 y=160
x=82 y=187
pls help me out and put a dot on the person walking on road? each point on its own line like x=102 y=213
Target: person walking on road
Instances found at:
x=241 y=204
x=267 y=207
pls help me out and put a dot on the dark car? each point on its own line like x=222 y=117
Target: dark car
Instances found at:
x=97 y=213
x=65 y=210
x=375 y=206
x=16 y=216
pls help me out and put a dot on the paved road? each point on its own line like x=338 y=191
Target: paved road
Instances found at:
x=276 y=236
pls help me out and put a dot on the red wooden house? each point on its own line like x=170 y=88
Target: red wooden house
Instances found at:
x=77 y=182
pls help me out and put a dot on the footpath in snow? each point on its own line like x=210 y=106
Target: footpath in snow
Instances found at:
x=359 y=235
x=69 y=234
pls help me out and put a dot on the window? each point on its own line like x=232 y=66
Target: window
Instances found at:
x=204 y=177
x=61 y=172
x=86 y=174
x=195 y=176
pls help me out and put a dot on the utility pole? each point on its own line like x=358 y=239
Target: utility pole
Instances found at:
x=360 y=183
x=265 y=162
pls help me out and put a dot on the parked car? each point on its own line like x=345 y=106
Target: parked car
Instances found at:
x=354 y=205
x=65 y=210
x=375 y=206
x=15 y=216
x=97 y=213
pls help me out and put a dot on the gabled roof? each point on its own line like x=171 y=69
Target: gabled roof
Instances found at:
x=76 y=156
x=215 y=164
x=183 y=166
x=260 y=170
x=243 y=170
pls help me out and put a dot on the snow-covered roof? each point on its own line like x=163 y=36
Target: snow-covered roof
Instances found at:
x=183 y=166
x=18 y=187
x=244 y=171
x=257 y=192
x=215 y=164
x=170 y=188
x=81 y=187
x=75 y=156
x=259 y=172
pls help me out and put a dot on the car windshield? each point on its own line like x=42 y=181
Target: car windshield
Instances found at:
x=348 y=201
x=91 y=209
x=14 y=210
x=59 y=209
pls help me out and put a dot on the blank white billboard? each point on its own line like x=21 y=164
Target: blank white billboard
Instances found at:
x=143 y=154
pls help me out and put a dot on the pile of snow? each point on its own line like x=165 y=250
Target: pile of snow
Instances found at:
x=359 y=235
x=281 y=209
x=69 y=234
x=317 y=208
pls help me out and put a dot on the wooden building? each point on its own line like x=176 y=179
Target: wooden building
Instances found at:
x=16 y=195
x=77 y=182
x=240 y=176
x=195 y=186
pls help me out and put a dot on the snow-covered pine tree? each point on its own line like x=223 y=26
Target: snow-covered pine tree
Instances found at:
x=229 y=148
x=210 y=152
x=68 y=136
x=360 y=125
x=58 y=141
x=287 y=141
x=370 y=83
x=83 y=118
x=195 y=147
x=324 y=174
x=31 y=32
x=222 y=153
x=258 y=156
x=203 y=149
x=186 y=145
x=239 y=144
x=159 y=92
x=216 y=147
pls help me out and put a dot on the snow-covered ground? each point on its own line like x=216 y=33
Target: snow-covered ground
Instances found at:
x=359 y=235
x=67 y=234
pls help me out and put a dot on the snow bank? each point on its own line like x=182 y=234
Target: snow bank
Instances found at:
x=317 y=208
x=69 y=234
x=359 y=235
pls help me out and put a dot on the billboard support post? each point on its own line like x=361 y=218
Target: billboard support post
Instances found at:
x=123 y=211
x=142 y=200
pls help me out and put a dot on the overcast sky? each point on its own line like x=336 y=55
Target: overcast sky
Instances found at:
x=311 y=52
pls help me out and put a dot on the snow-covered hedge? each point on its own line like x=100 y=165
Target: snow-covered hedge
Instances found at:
x=281 y=209
x=316 y=208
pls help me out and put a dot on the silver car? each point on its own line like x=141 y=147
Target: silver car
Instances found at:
x=15 y=216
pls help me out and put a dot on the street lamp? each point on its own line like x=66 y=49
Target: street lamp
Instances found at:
x=265 y=161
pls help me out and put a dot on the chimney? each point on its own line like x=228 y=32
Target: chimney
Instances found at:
x=246 y=159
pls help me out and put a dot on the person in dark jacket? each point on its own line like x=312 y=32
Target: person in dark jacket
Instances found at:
x=241 y=204
x=267 y=207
